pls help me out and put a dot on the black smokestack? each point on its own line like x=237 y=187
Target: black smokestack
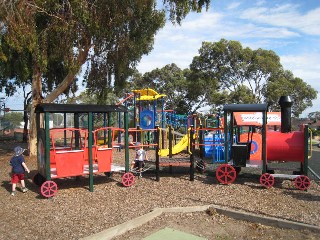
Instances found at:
x=285 y=104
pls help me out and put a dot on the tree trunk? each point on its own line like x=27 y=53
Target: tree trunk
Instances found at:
x=36 y=99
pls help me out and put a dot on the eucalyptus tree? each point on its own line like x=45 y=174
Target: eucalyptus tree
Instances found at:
x=284 y=83
x=243 y=75
x=314 y=115
x=168 y=80
x=236 y=69
x=59 y=37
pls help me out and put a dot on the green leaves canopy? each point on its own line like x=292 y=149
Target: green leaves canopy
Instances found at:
x=243 y=75
x=58 y=37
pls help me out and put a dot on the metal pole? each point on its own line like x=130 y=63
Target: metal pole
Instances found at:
x=90 y=127
x=192 y=148
x=226 y=140
x=47 y=144
x=264 y=141
x=126 y=141
x=305 y=160
x=157 y=137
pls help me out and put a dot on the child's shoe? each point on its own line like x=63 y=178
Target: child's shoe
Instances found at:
x=13 y=193
x=24 y=189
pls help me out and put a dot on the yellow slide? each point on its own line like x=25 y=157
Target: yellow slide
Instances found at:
x=180 y=146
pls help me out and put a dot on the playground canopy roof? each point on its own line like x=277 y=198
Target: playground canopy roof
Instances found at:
x=263 y=107
x=148 y=94
x=78 y=108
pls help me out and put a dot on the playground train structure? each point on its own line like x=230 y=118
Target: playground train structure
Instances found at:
x=246 y=136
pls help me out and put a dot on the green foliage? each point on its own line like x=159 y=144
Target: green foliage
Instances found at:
x=285 y=84
x=314 y=115
x=91 y=98
x=243 y=75
x=169 y=80
x=58 y=37
x=315 y=132
x=14 y=118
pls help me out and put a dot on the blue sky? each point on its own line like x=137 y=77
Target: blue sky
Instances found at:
x=289 y=28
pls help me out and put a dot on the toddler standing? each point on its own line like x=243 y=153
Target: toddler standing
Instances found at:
x=19 y=166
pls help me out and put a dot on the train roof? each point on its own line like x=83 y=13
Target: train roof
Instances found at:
x=263 y=107
x=78 y=108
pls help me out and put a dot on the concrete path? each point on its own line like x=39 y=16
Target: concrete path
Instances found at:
x=240 y=215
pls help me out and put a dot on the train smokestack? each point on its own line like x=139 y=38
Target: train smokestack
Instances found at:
x=285 y=104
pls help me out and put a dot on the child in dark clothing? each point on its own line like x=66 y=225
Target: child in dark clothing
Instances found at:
x=18 y=168
x=141 y=156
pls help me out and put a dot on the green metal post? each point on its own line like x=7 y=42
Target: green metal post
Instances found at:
x=226 y=143
x=157 y=137
x=264 y=142
x=90 y=140
x=126 y=141
x=305 y=162
x=76 y=133
x=201 y=141
x=192 y=150
x=109 y=131
x=47 y=145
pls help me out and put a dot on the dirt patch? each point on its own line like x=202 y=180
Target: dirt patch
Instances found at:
x=75 y=212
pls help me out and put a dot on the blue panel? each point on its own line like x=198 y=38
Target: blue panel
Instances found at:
x=147 y=119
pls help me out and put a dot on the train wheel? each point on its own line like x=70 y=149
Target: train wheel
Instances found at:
x=302 y=182
x=128 y=179
x=267 y=180
x=226 y=174
x=201 y=166
x=49 y=189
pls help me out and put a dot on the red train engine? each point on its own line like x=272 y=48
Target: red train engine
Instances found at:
x=279 y=152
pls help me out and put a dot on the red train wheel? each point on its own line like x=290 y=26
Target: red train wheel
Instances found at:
x=302 y=182
x=226 y=174
x=128 y=179
x=49 y=189
x=267 y=180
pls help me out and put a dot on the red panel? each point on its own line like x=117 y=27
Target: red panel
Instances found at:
x=288 y=147
x=69 y=163
x=104 y=158
x=52 y=159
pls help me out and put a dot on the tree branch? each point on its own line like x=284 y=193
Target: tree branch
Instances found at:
x=68 y=80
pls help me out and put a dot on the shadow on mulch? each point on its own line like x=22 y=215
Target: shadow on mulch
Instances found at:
x=302 y=195
x=6 y=185
x=81 y=181
x=27 y=178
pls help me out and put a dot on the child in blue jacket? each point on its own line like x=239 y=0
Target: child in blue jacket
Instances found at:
x=19 y=166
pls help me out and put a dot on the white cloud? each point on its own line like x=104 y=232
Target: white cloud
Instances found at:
x=281 y=28
x=285 y=15
x=233 y=5
x=179 y=44
x=307 y=67
x=260 y=3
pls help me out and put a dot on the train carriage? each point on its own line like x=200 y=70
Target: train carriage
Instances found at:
x=75 y=151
